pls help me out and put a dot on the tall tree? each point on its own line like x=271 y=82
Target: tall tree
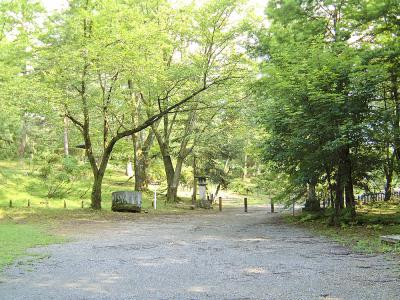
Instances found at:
x=112 y=42
x=317 y=96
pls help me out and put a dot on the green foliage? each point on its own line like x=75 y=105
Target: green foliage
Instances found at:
x=241 y=187
x=59 y=174
x=322 y=98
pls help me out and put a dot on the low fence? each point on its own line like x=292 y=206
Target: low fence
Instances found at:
x=43 y=204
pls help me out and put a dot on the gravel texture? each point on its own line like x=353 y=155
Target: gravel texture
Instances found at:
x=228 y=255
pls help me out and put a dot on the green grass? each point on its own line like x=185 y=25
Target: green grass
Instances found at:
x=363 y=233
x=16 y=238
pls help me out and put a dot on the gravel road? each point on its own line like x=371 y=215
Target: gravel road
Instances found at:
x=229 y=255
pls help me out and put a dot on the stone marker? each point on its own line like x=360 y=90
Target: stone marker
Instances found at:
x=390 y=239
x=126 y=201
x=129 y=169
x=204 y=200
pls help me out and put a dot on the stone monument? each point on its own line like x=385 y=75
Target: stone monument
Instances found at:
x=126 y=201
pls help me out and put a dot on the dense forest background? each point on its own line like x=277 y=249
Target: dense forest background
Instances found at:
x=299 y=104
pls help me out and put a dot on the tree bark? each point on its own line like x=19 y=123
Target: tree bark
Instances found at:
x=388 y=186
x=194 y=194
x=96 y=192
x=389 y=168
x=339 y=188
x=173 y=181
x=394 y=92
x=217 y=189
x=349 y=187
x=141 y=159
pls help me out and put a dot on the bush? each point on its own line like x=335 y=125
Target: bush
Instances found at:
x=59 y=174
x=241 y=187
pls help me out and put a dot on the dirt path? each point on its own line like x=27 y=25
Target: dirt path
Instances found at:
x=213 y=256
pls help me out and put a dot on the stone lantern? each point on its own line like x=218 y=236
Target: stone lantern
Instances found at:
x=202 y=183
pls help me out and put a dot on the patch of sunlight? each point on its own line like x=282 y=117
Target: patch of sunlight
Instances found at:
x=198 y=289
x=256 y=239
x=85 y=285
x=254 y=270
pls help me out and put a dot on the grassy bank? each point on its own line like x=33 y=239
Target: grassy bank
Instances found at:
x=23 y=227
x=22 y=184
x=363 y=233
x=16 y=238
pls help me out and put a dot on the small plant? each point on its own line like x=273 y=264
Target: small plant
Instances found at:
x=59 y=174
x=375 y=227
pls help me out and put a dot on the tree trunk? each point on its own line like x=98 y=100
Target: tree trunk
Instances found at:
x=140 y=168
x=141 y=148
x=96 y=192
x=172 y=192
x=98 y=175
x=394 y=92
x=66 y=146
x=338 y=194
x=169 y=173
x=194 y=194
x=389 y=168
x=388 y=185
x=340 y=183
x=349 y=194
x=141 y=165
x=217 y=189
x=338 y=201
x=349 y=189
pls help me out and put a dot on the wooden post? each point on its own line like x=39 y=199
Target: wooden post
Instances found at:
x=272 y=206
x=220 y=203
x=10 y=203
x=82 y=204
x=65 y=204
x=245 y=204
x=29 y=203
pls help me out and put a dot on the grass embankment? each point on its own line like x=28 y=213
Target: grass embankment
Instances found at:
x=23 y=227
x=363 y=233
x=21 y=182
x=16 y=238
